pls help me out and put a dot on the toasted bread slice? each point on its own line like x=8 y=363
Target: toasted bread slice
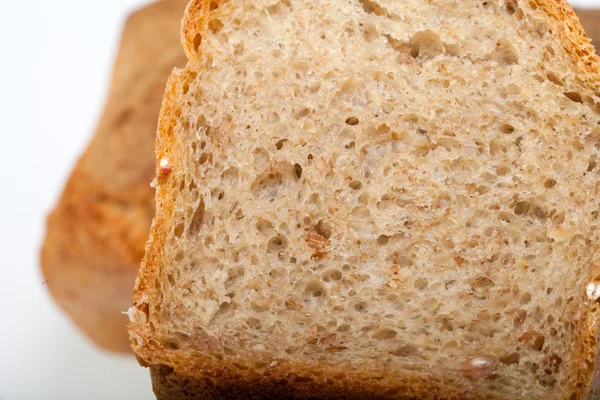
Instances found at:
x=375 y=199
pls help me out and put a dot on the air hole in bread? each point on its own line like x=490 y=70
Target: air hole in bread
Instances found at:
x=280 y=143
x=511 y=7
x=230 y=176
x=202 y=125
x=217 y=194
x=382 y=240
x=313 y=199
x=291 y=305
x=254 y=323
x=421 y=284
x=385 y=334
x=538 y=343
x=238 y=50
x=259 y=306
x=369 y=31
x=445 y=322
x=332 y=275
x=277 y=274
x=505 y=53
x=178 y=231
x=498 y=146
x=324 y=229
x=403 y=260
x=182 y=185
x=482 y=282
x=364 y=198
x=506 y=217
x=510 y=359
x=171 y=280
x=297 y=171
x=361 y=212
x=303 y=112
x=406 y=350
x=448 y=143
x=352 y=121
x=204 y=157
x=521 y=207
x=507 y=128
x=197 y=41
x=264 y=226
x=554 y=78
x=277 y=243
x=371 y=7
x=539 y=213
x=197 y=219
x=558 y=218
x=269 y=184
x=261 y=157
x=385 y=203
x=215 y=26
x=283 y=6
x=520 y=317
x=482 y=189
x=574 y=96
x=525 y=298
x=170 y=344
x=355 y=185
x=550 y=183
x=361 y=306
x=315 y=289
x=502 y=170
x=425 y=44
x=314 y=86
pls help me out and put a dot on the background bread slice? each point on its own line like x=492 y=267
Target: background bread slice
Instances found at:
x=375 y=199
x=96 y=234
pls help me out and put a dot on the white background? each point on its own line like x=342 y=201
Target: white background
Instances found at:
x=55 y=60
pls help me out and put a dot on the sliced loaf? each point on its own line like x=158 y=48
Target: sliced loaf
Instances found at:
x=375 y=199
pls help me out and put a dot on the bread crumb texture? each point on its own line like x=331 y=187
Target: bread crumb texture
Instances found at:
x=402 y=194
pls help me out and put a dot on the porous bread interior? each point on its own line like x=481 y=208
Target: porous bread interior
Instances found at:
x=411 y=183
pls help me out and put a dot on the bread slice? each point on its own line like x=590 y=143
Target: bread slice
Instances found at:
x=375 y=199
x=96 y=234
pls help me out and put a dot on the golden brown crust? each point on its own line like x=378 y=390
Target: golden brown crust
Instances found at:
x=97 y=232
x=590 y=20
x=178 y=376
x=575 y=41
x=225 y=384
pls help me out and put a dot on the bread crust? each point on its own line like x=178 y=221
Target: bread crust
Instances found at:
x=575 y=42
x=293 y=383
x=96 y=234
x=177 y=375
